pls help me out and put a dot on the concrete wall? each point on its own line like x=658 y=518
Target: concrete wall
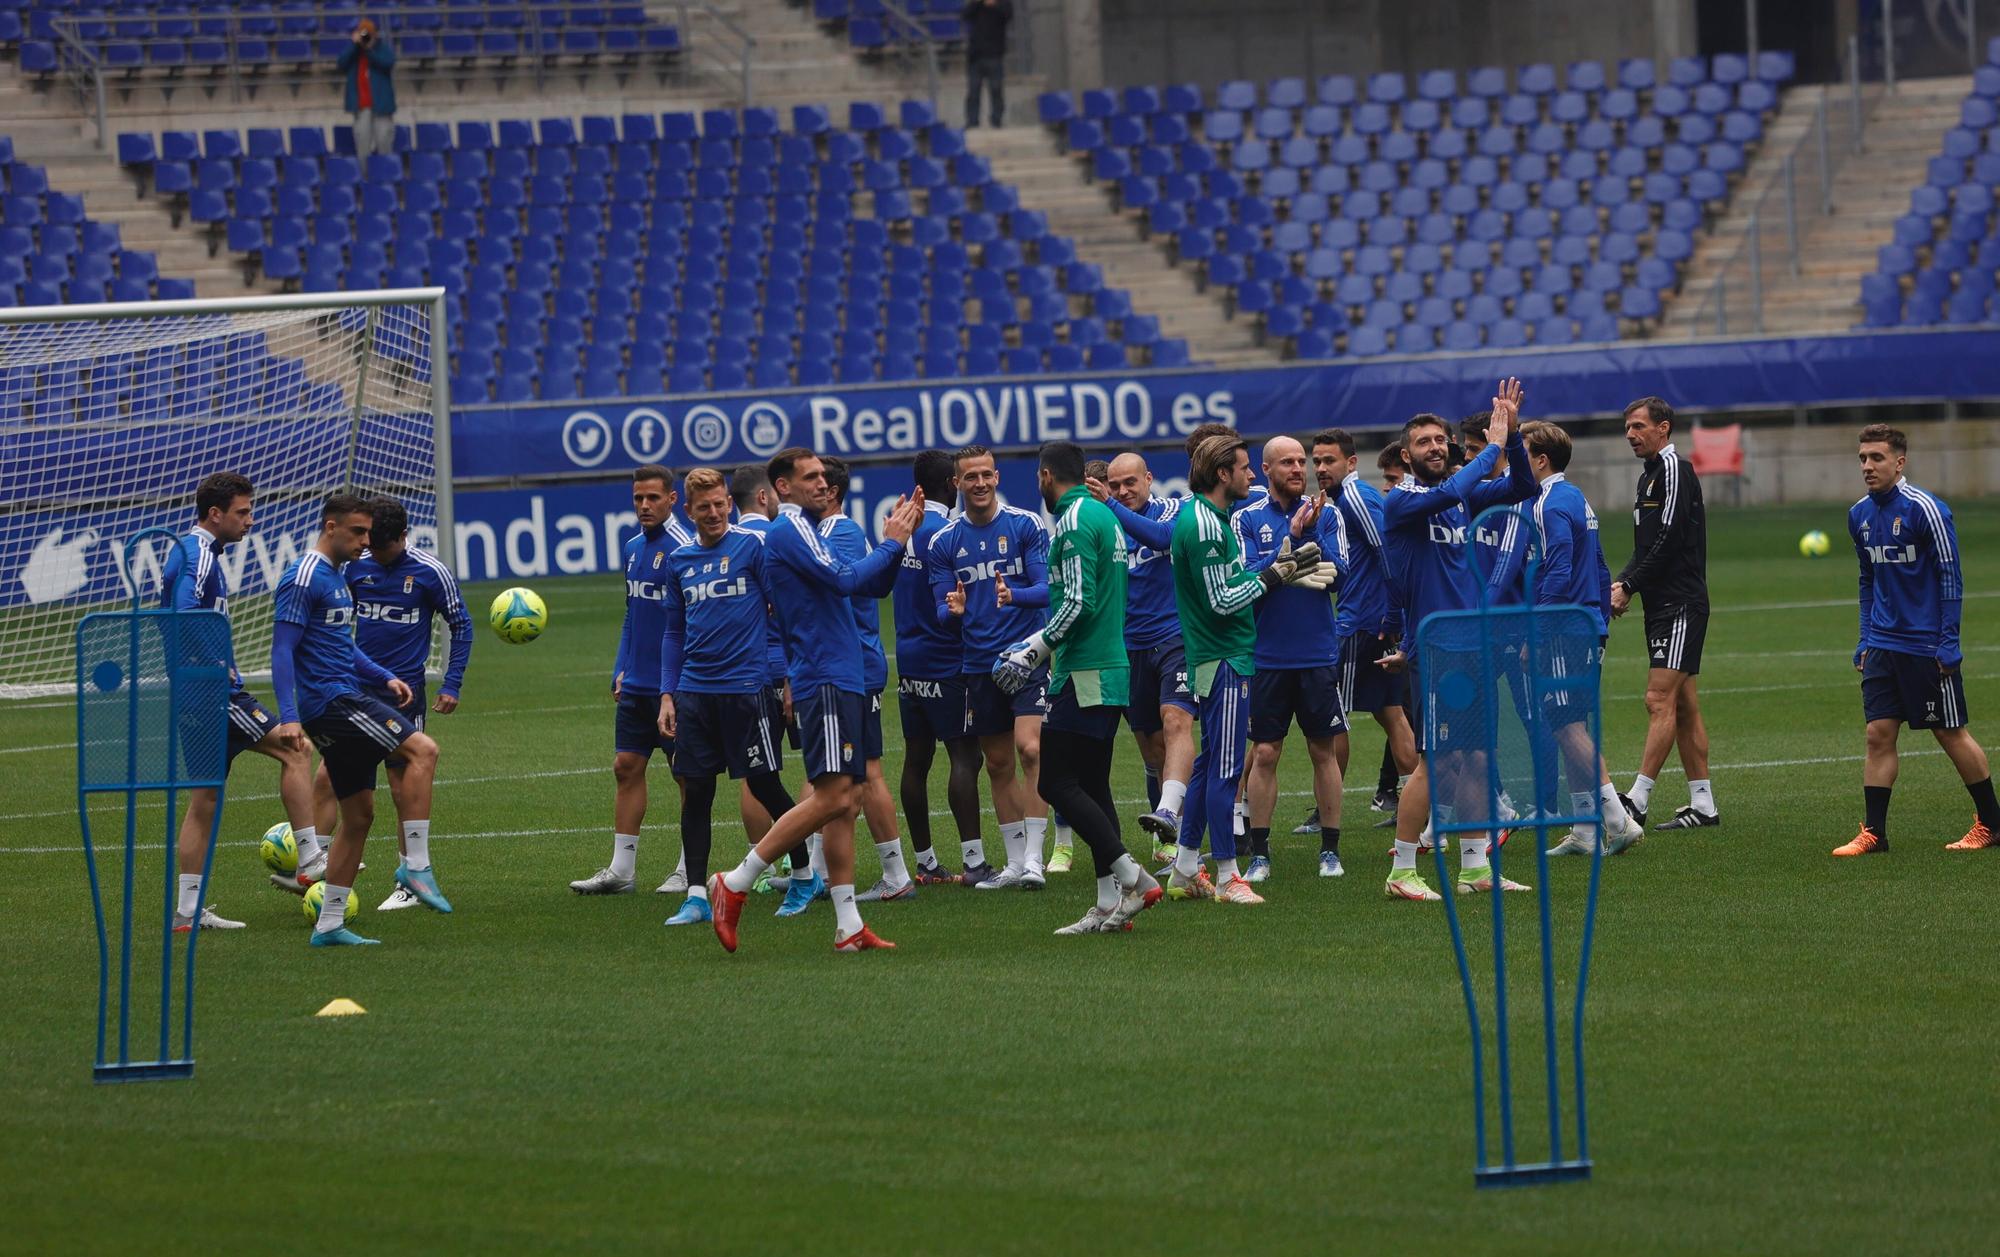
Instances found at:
x=1787 y=465
x=1209 y=41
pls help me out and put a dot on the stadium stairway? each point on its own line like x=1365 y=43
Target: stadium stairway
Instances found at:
x=1870 y=190
x=48 y=134
x=1027 y=157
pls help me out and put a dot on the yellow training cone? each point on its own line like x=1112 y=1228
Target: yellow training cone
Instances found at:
x=341 y=1008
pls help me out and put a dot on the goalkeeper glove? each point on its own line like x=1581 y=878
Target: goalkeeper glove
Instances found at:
x=1293 y=567
x=1017 y=664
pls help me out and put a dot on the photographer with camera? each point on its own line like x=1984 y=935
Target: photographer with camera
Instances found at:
x=371 y=90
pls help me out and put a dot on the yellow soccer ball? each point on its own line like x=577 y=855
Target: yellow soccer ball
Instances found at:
x=280 y=849
x=1814 y=545
x=518 y=615
x=316 y=895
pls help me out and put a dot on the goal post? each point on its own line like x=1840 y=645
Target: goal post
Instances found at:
x=111 y=414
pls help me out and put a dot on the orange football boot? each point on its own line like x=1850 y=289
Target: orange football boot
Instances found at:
x=1978 y=838
x=1867 y=842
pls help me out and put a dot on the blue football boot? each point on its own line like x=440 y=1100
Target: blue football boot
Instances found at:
x=341 y=936
x=423 y=883
x=801 y=893
x=694 y=911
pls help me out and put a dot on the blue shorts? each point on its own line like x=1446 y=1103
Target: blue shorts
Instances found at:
x=354 y=734
x=717 y=731
x=774 y=703
x=1363 y=685
x=993 y=710
x=638 y=727
x=1566 y=707
x=1912 y=689
x=1312 y=695
x=1432 y=722
x=249 y=721
x=871 y=725
x=933 y=711
x=412 y=711
x=830 y=728
x=1091 y=722
x=1159 y=679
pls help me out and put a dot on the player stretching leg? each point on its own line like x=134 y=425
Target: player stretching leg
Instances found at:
x=397 y=591
x=1669 y=566
x=846 y=541
x=1088 y=682
x=810 y=590
x=1367 y=626
x=194 y=581
x=712 y=683
x=1162 y=710
x=1572 y=571
x=314 y=667
x=930 y=687
x=1297 y=650
x=989 y=570
x=635 y=677
x=1426 y=518
x=1909 y=656
x=1215 y=596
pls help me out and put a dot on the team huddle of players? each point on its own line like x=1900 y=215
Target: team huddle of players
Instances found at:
x=1208 y=623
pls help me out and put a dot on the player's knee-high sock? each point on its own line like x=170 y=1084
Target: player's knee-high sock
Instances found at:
x=310 y=847
x=1194 y=818
x=1152 y=789
x=912 y=791
x=1385 y=781
x=697 y=820
x=624 y=854
x=1641 y=792
x=416 y=845
x=769 y=791
x=1876 y=800
x=1069 y=783
x=1984 y=803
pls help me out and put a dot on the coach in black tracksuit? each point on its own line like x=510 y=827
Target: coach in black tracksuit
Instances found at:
x=985 y=54
x=1669 y=569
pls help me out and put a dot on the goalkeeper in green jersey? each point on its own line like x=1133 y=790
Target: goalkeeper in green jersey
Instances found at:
x=1214 y=594
x=1089 y=682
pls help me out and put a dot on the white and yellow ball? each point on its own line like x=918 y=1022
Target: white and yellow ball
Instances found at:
x=279 y=849
x=518 y=615
x=1814 y=545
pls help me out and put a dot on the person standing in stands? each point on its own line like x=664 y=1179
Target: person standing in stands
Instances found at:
x=985 y=57
x=369 y=65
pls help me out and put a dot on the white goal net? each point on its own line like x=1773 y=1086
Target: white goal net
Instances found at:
x=110 y=415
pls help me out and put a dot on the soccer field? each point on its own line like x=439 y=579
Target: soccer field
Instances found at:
x=1788 y=1053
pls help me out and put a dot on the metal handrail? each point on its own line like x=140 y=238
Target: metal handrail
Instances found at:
x=742 y=53
x=80 y=65
x=900 y=16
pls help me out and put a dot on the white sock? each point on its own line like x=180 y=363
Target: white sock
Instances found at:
x=893 y=870
x=927 y=858
x=1187 y=861
x=815 y=850
x=190 y=884
x=1065 y=836
x=309 y=845
x=1614 y=811
x=847 y=917
x=1241 y=816
x=624 y=854
x=1126 y=871
x=1579 y=805
x=1472 y=853
x=417 y=846
x=1013 y=836
x=1172 y=795
x=1406 y=855
x=1702 y=795
x=1641 y=791
x=1224 y=870
x=333 y=908
x=1425 y=839
x=1107 y=893
x=698 y=892
x=681 y=865
x=1035 y=835
x=972 y=853
x=741 y=878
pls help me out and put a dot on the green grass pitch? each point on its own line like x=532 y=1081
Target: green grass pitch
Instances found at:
x=1789 y=1053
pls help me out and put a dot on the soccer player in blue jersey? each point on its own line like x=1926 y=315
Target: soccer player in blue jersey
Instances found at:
x=810 y=590
x=194 y=581
x=847 y=543
x=1909 y=656
x=930 y=688
x=319 y=673
x=989 y=571
x=1161 y=714
x=1426 y=518
x=397 y=592
x=756 y=506
x=1366 y=622
x=1297 y=649
x=635 y=676
x=712 y=676
x=1573 y=571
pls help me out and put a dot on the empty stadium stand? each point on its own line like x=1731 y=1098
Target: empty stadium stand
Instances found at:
x=52 y=253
